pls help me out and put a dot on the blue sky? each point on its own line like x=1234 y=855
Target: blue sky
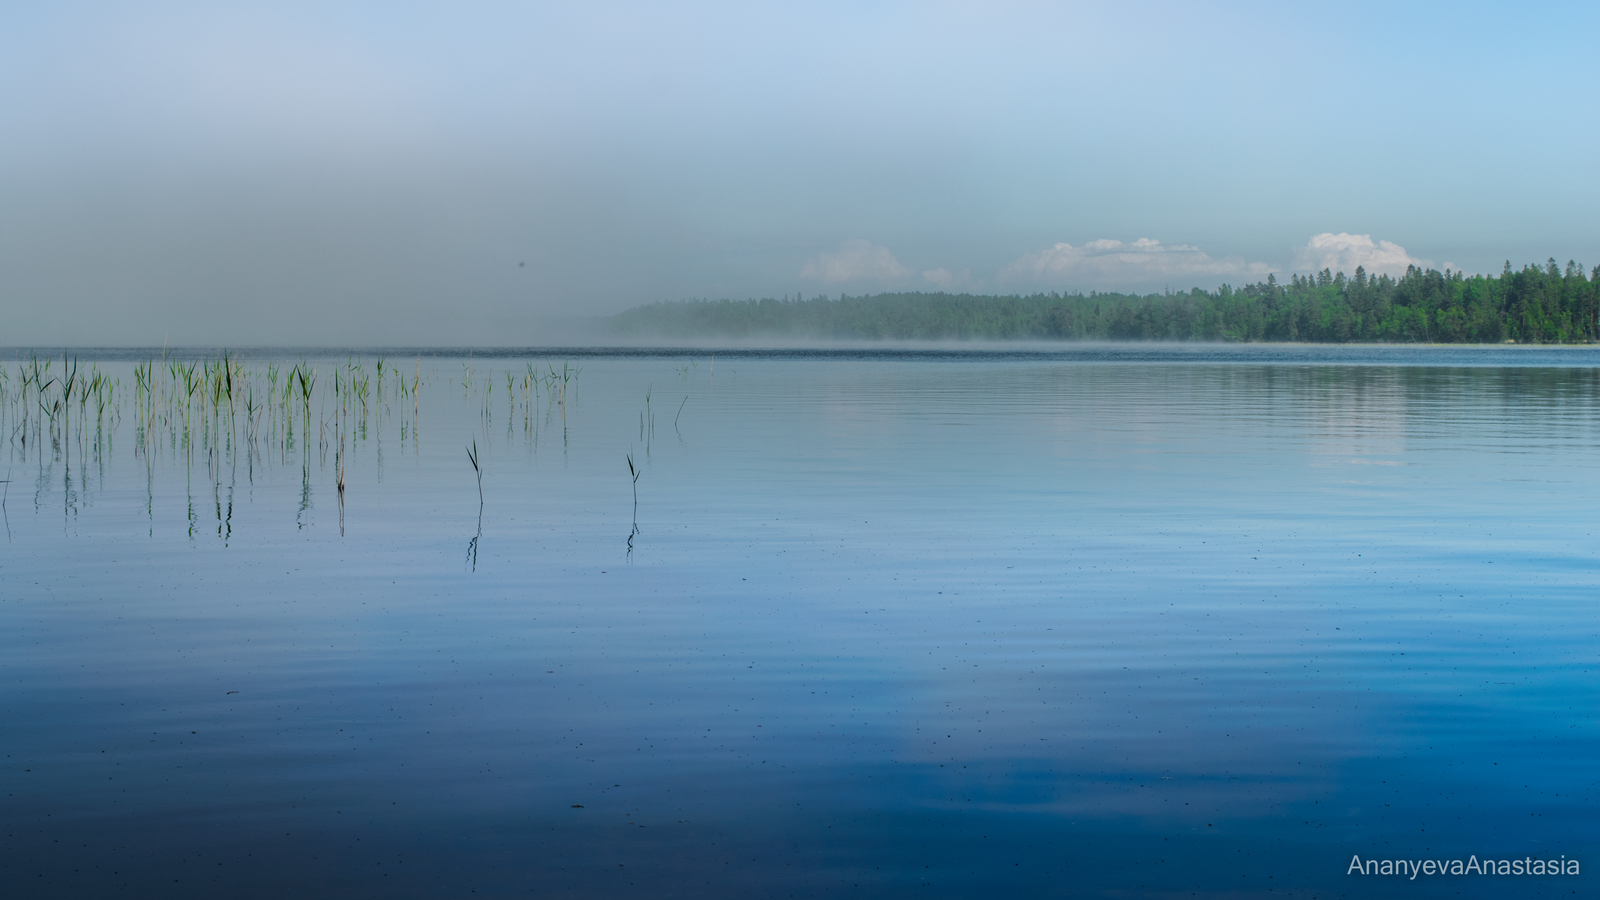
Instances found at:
x=286 y=173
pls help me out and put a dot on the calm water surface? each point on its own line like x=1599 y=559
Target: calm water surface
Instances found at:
x=1114 y=622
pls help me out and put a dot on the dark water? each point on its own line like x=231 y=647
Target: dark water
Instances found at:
x=1121 y=623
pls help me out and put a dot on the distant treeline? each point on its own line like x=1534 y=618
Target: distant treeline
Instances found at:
x=1539 y=304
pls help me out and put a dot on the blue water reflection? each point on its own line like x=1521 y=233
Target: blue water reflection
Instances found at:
x=1119 y=621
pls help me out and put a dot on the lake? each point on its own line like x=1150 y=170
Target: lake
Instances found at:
x=1121 y=621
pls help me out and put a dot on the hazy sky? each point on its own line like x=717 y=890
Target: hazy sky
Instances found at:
x=259 y=173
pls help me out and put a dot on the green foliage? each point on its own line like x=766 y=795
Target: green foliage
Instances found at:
x=1535 y=305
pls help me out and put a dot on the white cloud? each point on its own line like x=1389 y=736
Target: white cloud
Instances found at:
x=948 y=281
x=1344 y=252
x=1114 y=265
x=856 y=260
x=1105 y=264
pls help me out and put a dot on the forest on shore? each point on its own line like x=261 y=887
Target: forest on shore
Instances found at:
x=1538 y=304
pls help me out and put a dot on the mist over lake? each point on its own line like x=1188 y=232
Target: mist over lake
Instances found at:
x=1108 y=620
x=798 y=450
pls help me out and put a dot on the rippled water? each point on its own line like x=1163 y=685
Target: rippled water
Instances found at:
x=1117 y=621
